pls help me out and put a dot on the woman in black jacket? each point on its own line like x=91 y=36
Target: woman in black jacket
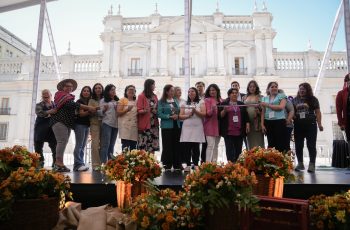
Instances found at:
x=234 y=124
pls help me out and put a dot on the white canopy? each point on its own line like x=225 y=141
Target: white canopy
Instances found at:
x=8 y=5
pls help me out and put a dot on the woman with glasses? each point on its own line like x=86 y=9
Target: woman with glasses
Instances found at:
x=63 y=121
x=127 y=118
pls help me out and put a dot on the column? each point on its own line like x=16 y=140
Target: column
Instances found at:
x=269 y=57
x=220 y=53
x=210 y=54
x=106 y=54
x=259 y=52
x=164 y=55
x=154 y=53
x=116 y=55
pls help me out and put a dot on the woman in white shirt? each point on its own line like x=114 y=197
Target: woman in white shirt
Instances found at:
x=127 y=118
x=192 y=134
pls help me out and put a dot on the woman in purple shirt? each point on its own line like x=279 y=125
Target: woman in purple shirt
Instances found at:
x=234 y=124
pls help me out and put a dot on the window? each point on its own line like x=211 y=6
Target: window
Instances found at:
x=4 y=107
x=135 y=69
x=3 y=131
x=239 y=68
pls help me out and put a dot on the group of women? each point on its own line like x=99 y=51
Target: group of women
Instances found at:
x=203 y=118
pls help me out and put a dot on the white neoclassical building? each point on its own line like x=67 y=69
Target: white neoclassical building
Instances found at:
x=223 y=48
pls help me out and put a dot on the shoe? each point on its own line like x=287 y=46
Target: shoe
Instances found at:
x=311 y=168
x=59 y=168
x=187 y=169
x=82 y=168
x=300 y=166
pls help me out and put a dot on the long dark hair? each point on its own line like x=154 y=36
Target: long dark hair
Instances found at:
x=147 y=89
x=309 y=94
x=82 y=98
x=216 y=87
x=94 y=96
x=196 y=99
x=126 y=90
x=257 y=90
x=106 y=93
x=165 y=91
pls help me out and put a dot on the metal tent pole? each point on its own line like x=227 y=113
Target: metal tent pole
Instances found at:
x=187 y=17
x=36 y=73
x=325 y=59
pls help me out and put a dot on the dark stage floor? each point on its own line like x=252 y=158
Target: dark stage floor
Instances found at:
x=91 y=188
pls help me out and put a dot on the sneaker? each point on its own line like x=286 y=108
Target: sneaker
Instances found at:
x=311 y=167
x=300 y=166
x=59 y=168
x=82 y=168
x=187 y=169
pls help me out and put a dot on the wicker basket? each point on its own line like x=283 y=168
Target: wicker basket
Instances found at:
x=127 y=191
x=268 y=186
x=38 y=214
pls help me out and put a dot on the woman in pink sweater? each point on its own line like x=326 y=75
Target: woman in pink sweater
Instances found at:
x=211 y=122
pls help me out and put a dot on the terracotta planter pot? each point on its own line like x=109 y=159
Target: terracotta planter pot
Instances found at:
x=268 y=186
x=33 y=214
x=126 y=192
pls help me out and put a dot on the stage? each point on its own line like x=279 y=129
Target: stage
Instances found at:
x=91 y=188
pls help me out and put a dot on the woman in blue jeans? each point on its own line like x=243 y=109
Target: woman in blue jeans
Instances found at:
x=81 y=130
x=109 y=129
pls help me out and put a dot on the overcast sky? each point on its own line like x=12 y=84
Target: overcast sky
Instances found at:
x=80 y=21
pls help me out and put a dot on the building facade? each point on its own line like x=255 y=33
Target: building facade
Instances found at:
x=223 y=48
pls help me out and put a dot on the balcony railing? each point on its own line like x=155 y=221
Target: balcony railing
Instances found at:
x=239 y=71
x=5 y=111
x=134 y=72
x=182 y=71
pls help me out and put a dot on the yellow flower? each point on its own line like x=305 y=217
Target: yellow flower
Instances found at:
x=340 y=215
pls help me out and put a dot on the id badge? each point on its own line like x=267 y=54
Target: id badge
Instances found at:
x=235 y=119
x=272 y=114
x=302 y=115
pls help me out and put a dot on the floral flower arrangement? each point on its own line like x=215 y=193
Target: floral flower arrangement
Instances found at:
x=131 y=166
x=31 y=184
x=269 y=162
x=15 y=157
x=216 y=186
x=165 y=209
x=330 y=212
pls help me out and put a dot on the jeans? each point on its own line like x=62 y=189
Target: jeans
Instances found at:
x=308 y=132
x=108 y=139
x=130 y=144
x=62 y=134
x=233 y=146
x=81 y=136
x=277 y=134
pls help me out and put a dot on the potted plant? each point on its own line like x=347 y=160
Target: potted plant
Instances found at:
x=224 y=191
x=165 y=209
x=15 y=157
x=271 y=168
x=330 y=212
x=130 y=169
x=31 y=198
